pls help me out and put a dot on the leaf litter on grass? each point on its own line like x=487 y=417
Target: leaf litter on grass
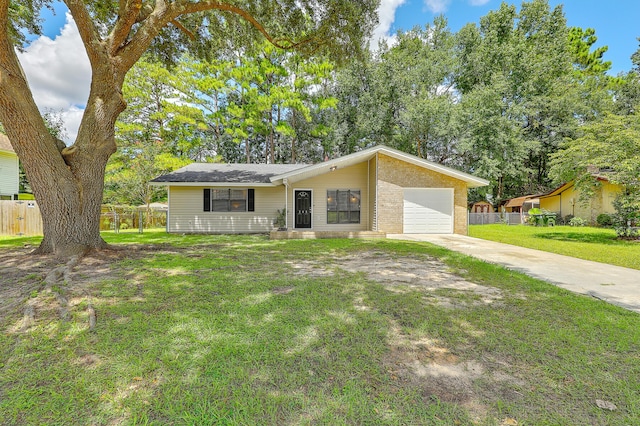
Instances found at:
x=414 y=359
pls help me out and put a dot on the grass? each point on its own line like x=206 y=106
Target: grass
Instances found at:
x=221 y=330
x=597 y=244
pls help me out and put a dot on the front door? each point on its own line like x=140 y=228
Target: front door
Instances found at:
x=303 y=208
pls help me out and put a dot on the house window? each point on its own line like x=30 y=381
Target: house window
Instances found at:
x=343 y=206
x=229 y=200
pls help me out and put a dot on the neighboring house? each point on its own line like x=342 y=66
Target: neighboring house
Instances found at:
x=521 y=204
x=9 y=170
x=565 y=200
x=378 y=189
x=482 y=207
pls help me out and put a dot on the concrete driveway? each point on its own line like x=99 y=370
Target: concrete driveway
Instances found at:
x=614 y=284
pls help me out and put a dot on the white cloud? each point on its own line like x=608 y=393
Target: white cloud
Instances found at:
x=437 y=6
x=386 y=17
x=59 y=74
x=478 y=2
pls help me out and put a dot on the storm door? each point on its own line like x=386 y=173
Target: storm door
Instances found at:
x=302 y=208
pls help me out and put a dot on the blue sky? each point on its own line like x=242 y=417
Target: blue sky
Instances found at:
x=59 y=72
x=617 y=22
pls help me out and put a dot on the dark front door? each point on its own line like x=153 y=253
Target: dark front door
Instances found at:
x=303 y=208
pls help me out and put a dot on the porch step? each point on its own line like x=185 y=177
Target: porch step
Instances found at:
x=300 y=235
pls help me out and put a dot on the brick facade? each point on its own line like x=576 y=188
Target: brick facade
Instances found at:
x=394 y=175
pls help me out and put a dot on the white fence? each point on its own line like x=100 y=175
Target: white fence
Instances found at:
x=491 y=218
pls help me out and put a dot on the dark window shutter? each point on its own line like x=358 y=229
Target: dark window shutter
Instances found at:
x=251 y=200
x=207 y=200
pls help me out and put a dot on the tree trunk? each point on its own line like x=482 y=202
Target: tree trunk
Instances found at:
x=67 y=181
x=71 y=212
x=71 y=202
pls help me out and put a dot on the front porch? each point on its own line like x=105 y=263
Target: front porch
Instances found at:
x=300 y=235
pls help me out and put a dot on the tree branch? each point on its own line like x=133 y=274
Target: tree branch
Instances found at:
x=127 y=16
x=164 y=13
x=183 y=29
x=86 y=28
x=185 y=7
x=151 y=26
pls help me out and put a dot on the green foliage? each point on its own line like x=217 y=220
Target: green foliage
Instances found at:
x=587 y=61
x=627 y=216
x=156 y=135
x=605 y=220
x=281 y=219
x=515 y=68
x=610 y=149
x=577 y=221
x=541 y=217
x=24 y=19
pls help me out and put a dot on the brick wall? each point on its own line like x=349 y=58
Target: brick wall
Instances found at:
x=394 y=175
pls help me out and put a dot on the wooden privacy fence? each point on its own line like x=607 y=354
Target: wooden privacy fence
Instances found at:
x=20 y=217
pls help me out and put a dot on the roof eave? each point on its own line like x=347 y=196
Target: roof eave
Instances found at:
x=357 y=157
x=224 y=184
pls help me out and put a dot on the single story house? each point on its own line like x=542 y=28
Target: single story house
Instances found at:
x=379 y=189
x=565 y=200
x=9 y=170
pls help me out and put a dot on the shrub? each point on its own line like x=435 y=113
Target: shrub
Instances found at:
x=627 y=215
x=604 y=220
x=577 y=221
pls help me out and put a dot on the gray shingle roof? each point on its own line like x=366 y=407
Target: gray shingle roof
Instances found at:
x=231 y=173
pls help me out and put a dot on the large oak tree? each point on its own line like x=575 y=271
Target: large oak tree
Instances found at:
x=68 y=180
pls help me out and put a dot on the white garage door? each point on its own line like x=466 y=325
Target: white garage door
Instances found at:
x=428 y=211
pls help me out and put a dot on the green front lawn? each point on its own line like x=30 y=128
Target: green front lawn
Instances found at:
x=240 y=330
x=588 y=243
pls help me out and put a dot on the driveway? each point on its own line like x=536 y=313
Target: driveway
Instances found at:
x=614 y=284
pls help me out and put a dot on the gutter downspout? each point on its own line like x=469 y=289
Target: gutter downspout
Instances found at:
x=286 y=202
x=167 y=227
x=375 y=204
x=369 y=193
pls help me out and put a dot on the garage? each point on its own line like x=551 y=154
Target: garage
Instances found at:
x=428 y=211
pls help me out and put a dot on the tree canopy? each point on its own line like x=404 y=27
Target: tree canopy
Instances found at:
x=68 y=181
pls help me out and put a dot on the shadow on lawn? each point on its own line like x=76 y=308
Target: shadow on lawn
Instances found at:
x=579 y=237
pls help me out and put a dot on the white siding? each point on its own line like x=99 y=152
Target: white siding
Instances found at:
x=352 y=177
x=9 y=174
x=186 y=213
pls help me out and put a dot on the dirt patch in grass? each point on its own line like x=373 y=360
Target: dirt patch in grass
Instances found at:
x=402 y=274
x=425 y=363
x=420 y=363
x=22 y=281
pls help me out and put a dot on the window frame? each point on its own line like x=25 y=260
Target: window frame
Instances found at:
x=348 y=216
x=210 y=200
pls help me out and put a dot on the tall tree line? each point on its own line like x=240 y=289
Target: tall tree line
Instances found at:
x=498 y=99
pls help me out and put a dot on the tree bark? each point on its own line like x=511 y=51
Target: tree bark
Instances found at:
x=67 y=181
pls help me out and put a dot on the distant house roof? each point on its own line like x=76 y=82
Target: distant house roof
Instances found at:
x=227 y=174
x=5 y=145
x=559 y=190
x=519 y=201
x=154 y=206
